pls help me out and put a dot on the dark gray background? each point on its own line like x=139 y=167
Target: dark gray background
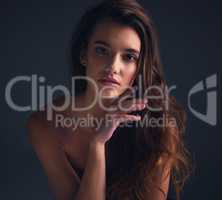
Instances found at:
x=34 y=40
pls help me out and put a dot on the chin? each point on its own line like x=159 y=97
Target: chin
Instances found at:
x=109 y=93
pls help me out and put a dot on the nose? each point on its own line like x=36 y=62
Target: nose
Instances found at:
x=113 y=65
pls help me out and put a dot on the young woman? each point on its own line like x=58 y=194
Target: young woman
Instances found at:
x=115 y=46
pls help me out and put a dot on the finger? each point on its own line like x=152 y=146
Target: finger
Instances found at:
x=131 y=105
x=134 y=107
x=125 y=117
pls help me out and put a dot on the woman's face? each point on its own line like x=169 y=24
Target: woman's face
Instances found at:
x=113 y=51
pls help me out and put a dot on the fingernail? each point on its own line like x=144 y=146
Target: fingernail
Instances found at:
x=141 y=106
x=138 y=117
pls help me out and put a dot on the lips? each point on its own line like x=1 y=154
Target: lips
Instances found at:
x=109 y=80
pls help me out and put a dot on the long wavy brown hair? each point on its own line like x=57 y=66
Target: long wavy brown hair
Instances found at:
x=132 y=158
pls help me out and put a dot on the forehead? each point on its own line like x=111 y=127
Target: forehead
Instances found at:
x=116 y=35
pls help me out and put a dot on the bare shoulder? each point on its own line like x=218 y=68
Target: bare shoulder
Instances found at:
x=63 y=181
x=40 y=125
x=37 y=119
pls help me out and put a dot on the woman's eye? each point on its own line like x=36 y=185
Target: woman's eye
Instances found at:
x=130 y=57
x=101 y=51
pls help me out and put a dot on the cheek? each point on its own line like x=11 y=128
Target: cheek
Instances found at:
x=96 y=63
x=94 y=66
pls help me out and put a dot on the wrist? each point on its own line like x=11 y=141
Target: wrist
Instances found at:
x=97 y=148
x=94 y=144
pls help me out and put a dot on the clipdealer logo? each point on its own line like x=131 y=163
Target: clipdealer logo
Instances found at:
x=42 y=93
x=207 y=86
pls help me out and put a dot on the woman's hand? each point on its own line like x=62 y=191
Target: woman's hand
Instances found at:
x=116 y=113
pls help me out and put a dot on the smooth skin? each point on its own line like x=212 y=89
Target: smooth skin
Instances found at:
x=113 y=49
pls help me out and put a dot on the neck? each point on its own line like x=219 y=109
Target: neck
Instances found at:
x=94 y=110
x=95 y=105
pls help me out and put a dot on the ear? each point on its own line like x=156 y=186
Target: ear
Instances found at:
x=83 y=57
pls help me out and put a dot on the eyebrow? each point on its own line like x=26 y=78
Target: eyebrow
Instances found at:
x=131 y=50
